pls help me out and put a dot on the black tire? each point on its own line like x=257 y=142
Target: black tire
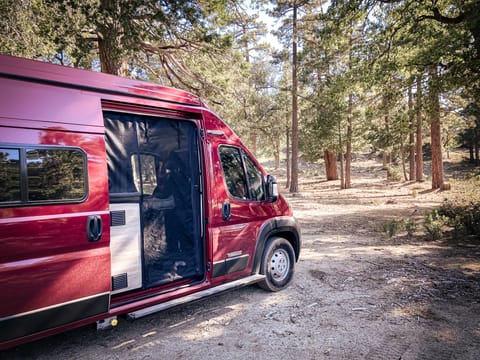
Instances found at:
x=278 y=264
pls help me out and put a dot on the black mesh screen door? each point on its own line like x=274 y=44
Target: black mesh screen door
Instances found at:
x=162 y=166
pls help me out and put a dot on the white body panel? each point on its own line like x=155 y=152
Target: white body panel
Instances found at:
x=125 y=247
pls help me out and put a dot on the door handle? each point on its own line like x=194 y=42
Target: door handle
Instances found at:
x=226 y=211
x=94 y=228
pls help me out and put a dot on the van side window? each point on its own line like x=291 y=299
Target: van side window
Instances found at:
x=55 y=174
x=231 y=159
x=243 y=179
x=10 y=175
x=50 y=175
x=255 y=180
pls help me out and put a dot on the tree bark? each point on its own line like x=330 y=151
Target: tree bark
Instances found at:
x=340 y=144
x=294 y=174
x=110 y=33
x=404 y=165
x=287 y=185
x=387 y=156
x=348 y=154
x=474 y=148
x=276 y=151
x=477 y=153
x=419 y=134
x=411 y=143
x=330 y=158
x=252 y=130
x=435 y=130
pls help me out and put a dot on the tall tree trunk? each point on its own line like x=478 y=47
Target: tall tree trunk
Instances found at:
x=276 y=151
x=385 y=160
x=287 y=185
x=477 y=152
x=252 y=130
x=330 y=158
x=474 y=146
x=404 y=165
x=435 y=130
x=387 y=156
x=419 y=134
x=294 y=173
x=340 y=145
x=446 y=144
x=348 y=155
x=110 y=33
x=411 y=139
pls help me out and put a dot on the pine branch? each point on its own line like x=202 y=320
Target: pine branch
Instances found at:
x=437 y=16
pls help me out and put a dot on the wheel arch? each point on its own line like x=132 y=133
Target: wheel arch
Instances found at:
x=285 y=227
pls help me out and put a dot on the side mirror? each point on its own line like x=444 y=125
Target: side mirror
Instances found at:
x=272 y=189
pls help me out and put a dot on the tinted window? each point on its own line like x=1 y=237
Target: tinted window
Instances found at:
x=255 y=180
x=42 y=174
x=10 y=175
x=243 y=178
x=55 y=174
x=231 y=159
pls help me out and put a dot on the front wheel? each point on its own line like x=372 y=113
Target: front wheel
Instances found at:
x=278 y=264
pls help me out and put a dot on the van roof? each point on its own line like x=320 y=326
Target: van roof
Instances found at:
x=15 y=67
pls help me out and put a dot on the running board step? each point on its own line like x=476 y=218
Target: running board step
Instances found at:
x=195 y=296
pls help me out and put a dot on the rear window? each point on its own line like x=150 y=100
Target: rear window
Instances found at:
x=30 y=175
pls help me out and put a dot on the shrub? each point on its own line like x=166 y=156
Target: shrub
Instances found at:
x=391 y=227
x=463 y=208
x=394 y=174
x=463 y=216
x=410 y=226
x=435 y=223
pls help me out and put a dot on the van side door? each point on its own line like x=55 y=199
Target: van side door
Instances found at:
x=240 y=212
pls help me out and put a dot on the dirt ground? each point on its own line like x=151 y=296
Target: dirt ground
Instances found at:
x=357 y=293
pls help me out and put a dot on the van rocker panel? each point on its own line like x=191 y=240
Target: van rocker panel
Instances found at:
x=29 y=323
x=195 y=296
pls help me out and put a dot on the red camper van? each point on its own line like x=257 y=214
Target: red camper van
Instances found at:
x=121 y=197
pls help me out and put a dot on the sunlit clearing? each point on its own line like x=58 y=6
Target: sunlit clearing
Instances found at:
x=214 y=326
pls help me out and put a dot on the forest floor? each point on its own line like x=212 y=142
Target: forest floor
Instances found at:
x=357 y=294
